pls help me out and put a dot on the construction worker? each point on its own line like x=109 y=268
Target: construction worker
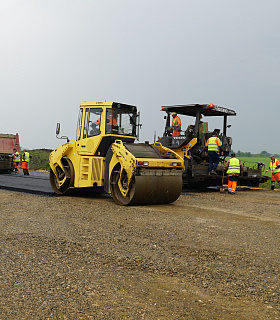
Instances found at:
x=212 y=150
x=111 y=124
x=233 y=168
x=274 y=167
x=176 y=125
x=16 y=159
x=109 y=120
x=25 y=162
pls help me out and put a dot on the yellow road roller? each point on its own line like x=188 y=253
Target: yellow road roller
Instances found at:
x=105 y=157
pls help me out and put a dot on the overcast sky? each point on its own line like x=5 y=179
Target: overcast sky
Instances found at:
x=56 y=54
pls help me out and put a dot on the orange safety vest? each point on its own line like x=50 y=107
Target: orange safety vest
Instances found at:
x=112 y=120
x=109 y=120
x=176 y=125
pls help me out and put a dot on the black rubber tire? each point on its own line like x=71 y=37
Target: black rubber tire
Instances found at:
x=69 y=182
x=118 y=197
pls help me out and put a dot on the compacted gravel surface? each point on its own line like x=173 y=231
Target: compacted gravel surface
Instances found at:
x=206 y=256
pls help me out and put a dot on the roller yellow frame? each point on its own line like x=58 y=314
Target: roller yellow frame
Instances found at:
x=104 y=157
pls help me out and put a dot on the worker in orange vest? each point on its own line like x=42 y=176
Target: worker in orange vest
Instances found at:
x=109 y=120
x=111 y=123
x=176 y=125
x=212 y=150
x=274 y=166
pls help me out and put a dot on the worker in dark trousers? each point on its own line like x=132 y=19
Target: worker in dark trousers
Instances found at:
x=25 y=162
x=234 y=169
x=16 y=160
x=274 y=167
x=213 y=146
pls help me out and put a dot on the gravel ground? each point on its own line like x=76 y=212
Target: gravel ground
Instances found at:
x=207 y=256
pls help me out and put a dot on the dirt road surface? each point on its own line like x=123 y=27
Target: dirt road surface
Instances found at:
x=207 y=256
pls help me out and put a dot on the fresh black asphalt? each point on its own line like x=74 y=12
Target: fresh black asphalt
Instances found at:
x=36 y=182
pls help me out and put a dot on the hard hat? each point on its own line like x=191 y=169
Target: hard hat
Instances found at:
x=174 y=114
x=272 y=156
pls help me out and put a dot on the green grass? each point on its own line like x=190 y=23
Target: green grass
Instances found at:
x=40 y=159
x=252 y=163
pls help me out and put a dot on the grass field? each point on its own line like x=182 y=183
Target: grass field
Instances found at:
x=252 y=163
x=40 y=159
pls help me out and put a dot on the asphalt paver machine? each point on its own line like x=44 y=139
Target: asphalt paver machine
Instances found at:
x=190 y=145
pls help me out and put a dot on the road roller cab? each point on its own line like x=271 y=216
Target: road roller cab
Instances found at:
x=105 y=157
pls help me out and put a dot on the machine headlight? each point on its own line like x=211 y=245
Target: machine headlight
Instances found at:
x=143 y=163
x=176 y=164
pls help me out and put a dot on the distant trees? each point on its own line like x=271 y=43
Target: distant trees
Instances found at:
x=263 y=154
x=243 y=154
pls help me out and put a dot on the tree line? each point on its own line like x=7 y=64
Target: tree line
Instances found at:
x=263 y=154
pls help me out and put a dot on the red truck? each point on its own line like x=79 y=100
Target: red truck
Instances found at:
x=7 y=143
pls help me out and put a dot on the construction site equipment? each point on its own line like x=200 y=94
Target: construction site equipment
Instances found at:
x=104 y=157
x=190 y=145
x=7 y=143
